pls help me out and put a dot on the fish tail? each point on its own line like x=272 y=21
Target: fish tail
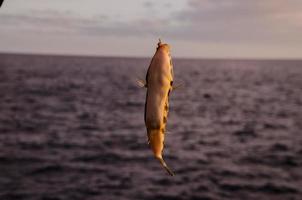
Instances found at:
x=163 y=163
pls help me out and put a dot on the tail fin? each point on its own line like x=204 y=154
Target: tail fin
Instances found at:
x=163 y=163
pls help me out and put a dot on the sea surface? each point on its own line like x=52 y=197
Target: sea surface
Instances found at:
x=72 y=128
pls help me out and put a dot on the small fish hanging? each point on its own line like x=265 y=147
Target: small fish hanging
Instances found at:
x=159 y=84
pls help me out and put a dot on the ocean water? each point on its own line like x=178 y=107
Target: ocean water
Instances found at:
x=72 y=128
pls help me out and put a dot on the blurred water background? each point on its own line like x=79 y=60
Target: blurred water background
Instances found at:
x=72 y=128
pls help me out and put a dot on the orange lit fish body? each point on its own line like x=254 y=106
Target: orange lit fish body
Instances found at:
x=159 y=81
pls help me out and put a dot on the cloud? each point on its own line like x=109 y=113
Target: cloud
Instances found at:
x=51 y=21
x=54 y=22
x=148 y=4
x=218 y=21
x=237 y=20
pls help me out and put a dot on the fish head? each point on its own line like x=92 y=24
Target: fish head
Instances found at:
x=165 y=47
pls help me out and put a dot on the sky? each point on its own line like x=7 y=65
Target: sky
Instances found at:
x=193 y=28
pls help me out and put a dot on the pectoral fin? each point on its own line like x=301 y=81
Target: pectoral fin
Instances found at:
x=141 y=83
x=178 y=86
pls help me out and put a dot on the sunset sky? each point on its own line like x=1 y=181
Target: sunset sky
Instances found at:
x=194 y=28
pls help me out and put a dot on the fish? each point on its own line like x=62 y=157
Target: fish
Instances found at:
x=159 y=84
x=1 y=1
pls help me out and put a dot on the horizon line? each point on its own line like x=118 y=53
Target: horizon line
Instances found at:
x=146 y=57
